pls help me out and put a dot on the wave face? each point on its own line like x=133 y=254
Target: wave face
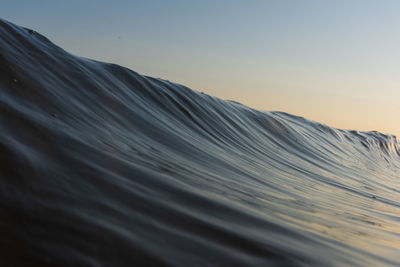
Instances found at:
x=101 y=166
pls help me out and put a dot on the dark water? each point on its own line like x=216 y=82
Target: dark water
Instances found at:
x=101 y=166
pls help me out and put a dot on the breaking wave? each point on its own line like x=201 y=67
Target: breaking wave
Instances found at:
x=102 y=166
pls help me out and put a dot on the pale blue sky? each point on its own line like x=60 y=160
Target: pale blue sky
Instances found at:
x=336 y=62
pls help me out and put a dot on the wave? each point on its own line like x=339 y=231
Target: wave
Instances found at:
x=102 y=166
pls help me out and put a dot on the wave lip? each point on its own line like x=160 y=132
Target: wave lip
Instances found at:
x=103 y=166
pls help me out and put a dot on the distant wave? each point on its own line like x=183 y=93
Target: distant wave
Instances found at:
x=101 y=166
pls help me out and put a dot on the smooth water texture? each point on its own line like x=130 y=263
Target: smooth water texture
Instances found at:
x=101 y=166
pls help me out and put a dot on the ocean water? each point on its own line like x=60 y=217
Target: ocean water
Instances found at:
x=102 y=166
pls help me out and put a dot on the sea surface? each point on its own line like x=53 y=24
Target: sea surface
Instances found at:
x=102 y=166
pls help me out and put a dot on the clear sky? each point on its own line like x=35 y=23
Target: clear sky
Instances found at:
x=336 y=62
